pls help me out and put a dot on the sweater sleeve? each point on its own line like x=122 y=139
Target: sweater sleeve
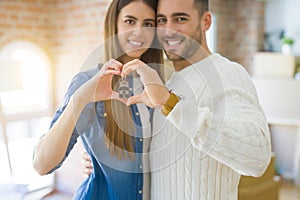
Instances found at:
x=234 y=131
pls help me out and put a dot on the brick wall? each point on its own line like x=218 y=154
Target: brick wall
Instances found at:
x=26 y=19
x=66 y=29
x=78 y=30
x=240 y=27
x=69 y=30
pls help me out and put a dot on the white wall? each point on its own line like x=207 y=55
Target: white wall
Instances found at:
x=284 y=14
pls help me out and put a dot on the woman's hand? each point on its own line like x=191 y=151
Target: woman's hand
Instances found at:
x=87 y=164
x=155 y=93
x=98 y=88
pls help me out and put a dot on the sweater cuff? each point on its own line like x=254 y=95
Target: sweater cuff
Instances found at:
x=190 y=119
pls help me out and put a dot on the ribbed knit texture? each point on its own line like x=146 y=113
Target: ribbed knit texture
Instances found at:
x=215 y=133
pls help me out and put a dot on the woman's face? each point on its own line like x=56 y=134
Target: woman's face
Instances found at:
x=135 y=28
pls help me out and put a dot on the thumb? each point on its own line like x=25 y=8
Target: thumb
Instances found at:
x=115 y=95
x=134 y=100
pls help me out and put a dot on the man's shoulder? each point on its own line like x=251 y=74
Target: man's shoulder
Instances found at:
x=225 y=64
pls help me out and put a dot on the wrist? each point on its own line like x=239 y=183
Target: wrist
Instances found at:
x=170 y=103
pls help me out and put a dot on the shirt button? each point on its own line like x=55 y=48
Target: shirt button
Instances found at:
x=141 y=139
x=140 y=191
x=141 y=166
x=105 y=114
x=137 y=114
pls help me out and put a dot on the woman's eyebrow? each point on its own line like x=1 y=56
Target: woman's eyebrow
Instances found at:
x=130 y=16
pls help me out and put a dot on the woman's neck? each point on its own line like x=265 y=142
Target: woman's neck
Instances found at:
x=125 y=59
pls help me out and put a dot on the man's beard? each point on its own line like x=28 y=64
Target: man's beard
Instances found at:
x=192 y=44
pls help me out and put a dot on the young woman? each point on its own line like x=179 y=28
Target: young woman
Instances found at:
x=114 y=135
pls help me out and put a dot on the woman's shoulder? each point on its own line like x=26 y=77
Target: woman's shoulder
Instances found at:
x=88 y=73
x=83 y=76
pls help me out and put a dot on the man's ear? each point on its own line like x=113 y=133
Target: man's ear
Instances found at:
x=206 y=21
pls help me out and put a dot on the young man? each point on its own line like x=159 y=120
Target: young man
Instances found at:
x=211 y=129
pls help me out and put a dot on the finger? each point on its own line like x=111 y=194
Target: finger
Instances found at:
x=118 y=63
x=87 y=172
x=123 y=100
x=135 y=65
x=114 y=64
x=88 y=164
x=107 y=64
x=115 y=95
x=134 y=100
x=130 y=66
x=126 y=70
x=114 y=72
x=85 y=156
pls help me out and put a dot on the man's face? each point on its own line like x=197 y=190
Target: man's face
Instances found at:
x=179 y=28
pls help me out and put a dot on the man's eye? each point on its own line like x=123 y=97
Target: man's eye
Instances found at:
x=181 y=19
x=149 y=25
x=161 y=20
x=129 y=21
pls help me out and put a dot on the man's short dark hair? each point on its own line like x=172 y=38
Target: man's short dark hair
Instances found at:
x=201 y=6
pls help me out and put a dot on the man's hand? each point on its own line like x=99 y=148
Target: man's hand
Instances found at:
x=87 y=164
x=155 y=93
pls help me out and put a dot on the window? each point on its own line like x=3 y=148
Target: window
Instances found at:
x=26 y=102
x=33 y=69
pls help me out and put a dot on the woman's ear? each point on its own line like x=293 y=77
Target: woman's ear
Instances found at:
x=206 y=21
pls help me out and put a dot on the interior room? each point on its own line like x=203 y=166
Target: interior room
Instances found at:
x=44 y=43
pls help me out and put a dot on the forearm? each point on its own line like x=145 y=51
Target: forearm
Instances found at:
x=52 y=147
x=240 y=142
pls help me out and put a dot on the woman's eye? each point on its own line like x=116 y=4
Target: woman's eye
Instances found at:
x=129 y=21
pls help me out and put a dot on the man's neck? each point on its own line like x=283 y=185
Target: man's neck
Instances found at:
x=198 y=56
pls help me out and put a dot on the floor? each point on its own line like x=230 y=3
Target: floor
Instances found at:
x=30 y=181
x=24 y=180
x=288 y=191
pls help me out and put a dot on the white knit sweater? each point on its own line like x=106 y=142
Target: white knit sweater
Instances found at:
x=217 y=132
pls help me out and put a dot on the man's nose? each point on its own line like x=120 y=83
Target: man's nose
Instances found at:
x=170 y=32
x=170 y=29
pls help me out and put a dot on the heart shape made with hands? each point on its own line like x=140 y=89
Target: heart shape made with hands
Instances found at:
x=154 y=94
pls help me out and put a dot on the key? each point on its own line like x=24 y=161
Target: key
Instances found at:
x=124 y=91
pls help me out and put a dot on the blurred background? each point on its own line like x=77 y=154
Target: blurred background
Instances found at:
x=43 y=44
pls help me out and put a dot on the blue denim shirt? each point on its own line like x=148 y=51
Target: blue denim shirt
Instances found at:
x=112 y=178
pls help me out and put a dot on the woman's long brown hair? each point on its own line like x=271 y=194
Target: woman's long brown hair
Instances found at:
x=119 y=125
